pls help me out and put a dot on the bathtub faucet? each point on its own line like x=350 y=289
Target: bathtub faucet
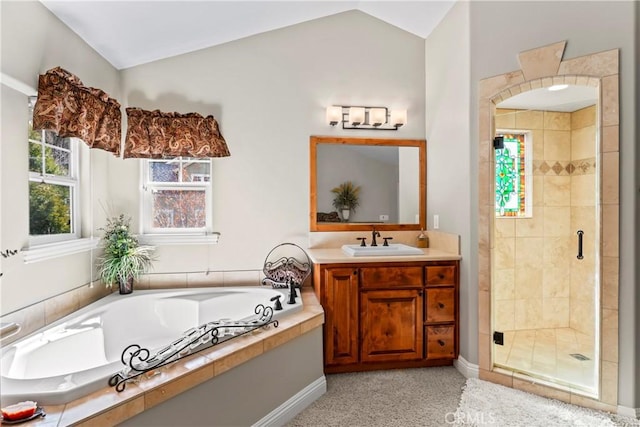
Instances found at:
x=292 y=292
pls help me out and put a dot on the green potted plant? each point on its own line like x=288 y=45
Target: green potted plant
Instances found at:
x=346 y=198
x=123 y=260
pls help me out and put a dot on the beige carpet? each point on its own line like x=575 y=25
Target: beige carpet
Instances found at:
x=403 y=397
x=492 y=405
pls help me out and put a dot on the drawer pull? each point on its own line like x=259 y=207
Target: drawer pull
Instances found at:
x=441 y=343
x=441 y=305
x=441 y=276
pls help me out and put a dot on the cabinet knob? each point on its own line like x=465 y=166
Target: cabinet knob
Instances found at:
x=440 y=305
x=441 y=343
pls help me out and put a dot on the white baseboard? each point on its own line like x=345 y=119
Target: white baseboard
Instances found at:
x=469 y=370
x=629 y=412
x=293 y=406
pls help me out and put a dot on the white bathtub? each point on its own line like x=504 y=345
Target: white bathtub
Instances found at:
x=77 y=354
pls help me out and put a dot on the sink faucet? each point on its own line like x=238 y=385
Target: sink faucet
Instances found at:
x=374 y=234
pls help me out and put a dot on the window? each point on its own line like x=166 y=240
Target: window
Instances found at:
x=53 y=187
x=513 y=176
x=177 y=196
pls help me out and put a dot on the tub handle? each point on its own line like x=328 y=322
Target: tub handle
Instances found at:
x=277 y=305
x=9 y=329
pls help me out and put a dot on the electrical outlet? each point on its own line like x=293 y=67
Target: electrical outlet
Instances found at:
x=436 y=222
x=384 y=217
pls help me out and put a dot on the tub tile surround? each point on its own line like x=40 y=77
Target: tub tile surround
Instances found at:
x=599 y=70
x=41 y=314
x=108 y=407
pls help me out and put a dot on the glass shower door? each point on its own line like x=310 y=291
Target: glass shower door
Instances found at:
x=545 y=252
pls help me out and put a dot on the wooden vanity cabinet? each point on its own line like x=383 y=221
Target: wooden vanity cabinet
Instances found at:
x=340 y=303
x=441 y=308
x=388 y=315
x=391 y=325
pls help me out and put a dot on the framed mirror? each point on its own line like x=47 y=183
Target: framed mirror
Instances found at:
x=386 y=176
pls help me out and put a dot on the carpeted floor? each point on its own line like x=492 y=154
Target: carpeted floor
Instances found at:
x=487 y=404
x=403 y=398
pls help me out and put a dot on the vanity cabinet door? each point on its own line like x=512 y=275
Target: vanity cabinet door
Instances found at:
x=391 y=325
x=340 y=302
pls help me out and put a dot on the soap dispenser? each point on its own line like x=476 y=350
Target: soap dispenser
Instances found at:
x=423 y=240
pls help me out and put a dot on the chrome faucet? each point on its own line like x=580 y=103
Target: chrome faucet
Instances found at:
x=374 y=234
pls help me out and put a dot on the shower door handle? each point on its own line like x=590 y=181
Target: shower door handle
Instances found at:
x=580 y=234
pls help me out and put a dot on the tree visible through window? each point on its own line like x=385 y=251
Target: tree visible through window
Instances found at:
x=177 y=194
x=52 y=184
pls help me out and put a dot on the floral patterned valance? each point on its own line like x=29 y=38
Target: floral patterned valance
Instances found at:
x=70 y=109
x=154 y=135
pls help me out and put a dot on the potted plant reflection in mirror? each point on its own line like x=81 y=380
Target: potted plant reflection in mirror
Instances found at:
x=346 y=198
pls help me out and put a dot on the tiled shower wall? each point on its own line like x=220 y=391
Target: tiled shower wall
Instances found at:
x=538 y=281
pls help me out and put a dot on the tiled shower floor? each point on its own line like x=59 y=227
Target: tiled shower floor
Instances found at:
x=547 y=353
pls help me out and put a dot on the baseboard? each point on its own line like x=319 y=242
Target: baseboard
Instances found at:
x=469 y=370
x=293 y=406
x=629 y=412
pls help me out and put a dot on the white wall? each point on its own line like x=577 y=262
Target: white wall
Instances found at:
x=269 y=93
x=33 y=41
x=449 y=176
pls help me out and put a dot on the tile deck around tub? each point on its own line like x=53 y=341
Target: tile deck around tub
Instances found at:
x=108 y=407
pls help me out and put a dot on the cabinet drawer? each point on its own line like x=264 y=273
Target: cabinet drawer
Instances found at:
x=391 y=277
x=440 y=305
x=440 y=342
x=441 y=275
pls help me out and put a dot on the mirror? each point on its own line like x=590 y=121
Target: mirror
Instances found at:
x=390 y=175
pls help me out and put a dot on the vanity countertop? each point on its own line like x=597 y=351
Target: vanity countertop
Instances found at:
x=335 y=256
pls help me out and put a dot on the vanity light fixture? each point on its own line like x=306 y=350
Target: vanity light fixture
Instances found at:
x=359 y=117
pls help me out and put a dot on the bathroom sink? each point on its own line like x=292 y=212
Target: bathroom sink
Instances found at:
x=394 y=249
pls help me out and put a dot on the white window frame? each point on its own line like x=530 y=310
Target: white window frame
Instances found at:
x=72 y=181
x=156 y=235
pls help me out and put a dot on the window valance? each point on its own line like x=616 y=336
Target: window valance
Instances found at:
x=155 y=134
x=70 y=109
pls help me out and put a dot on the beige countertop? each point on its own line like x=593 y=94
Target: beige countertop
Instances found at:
x=336 y=255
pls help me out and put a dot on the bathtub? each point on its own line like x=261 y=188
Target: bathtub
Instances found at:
x=77 y=354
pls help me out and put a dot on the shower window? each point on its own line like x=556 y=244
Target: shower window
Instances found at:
x=513 y=176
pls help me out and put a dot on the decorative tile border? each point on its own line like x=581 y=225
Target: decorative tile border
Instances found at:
x=564 y=167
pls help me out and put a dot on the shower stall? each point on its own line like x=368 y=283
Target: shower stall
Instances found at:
x=546 y=238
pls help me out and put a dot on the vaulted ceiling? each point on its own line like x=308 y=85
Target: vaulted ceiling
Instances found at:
x=129 y=33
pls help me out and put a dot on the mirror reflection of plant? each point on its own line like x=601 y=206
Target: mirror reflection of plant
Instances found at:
x=123 y=257
x=346 y=195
